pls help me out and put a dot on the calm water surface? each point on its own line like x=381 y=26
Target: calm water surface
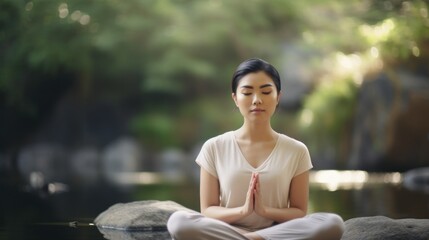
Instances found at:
x=35 y=215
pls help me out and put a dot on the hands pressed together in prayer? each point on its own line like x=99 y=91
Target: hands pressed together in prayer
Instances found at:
x=254 y=199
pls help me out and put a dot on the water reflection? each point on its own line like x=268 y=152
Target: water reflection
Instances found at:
x=333 y=180
x=138 y=178
x=359 y=193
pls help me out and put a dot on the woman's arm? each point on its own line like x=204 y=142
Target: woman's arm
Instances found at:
x=210 y=201
x=298 y=200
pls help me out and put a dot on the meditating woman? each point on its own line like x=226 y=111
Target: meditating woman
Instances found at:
x=254 y=181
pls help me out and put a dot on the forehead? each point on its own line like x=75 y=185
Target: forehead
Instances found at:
x=255 y=79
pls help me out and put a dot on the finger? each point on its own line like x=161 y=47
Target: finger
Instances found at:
x=252 y=178
x=256 y=180
x=253 y=203
x=251 y=182
x=258 y=187
x=256 y=196
x=251 y=187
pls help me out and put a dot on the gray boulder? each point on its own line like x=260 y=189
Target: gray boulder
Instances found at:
x=112 y=234
x=380 y=227
x=151 y=215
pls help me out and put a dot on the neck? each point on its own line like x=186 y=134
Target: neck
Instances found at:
x=256 y=132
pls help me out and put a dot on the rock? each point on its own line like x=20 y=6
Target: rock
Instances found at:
x=84 y=164
x=173 y=165
x=123 y=155
x=135 y=235
x=417 y=179
x=145 y=216
x=391 y=130
x=46 y=159
x=380 y=227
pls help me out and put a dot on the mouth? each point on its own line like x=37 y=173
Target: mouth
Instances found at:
x=257 y=110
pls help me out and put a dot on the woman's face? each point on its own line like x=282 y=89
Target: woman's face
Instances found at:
x=256 y=96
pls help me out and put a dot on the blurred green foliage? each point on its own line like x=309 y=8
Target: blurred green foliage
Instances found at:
x=378 y=36
x=172 y=60
x=332 y=105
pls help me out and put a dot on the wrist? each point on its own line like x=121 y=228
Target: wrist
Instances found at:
x=262 y=212
x=244 y=212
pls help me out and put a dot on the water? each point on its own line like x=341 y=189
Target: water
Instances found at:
x=69 y=215
x=57 y=230
x=358 y=193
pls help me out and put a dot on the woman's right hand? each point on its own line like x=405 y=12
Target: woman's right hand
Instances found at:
x=249 y=205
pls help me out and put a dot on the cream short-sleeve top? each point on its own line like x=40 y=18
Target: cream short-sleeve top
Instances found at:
x=221 y=157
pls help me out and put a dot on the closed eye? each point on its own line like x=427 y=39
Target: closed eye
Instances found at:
x=266 y=93
x=247 y=94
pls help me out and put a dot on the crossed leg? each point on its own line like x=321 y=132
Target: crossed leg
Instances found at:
x=316 y=226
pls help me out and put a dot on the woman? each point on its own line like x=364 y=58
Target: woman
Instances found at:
x=254 y=181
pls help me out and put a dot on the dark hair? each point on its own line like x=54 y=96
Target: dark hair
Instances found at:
x=254 y=65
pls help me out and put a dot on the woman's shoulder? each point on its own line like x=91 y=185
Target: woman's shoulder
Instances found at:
x=290 y=142
x=223 y=138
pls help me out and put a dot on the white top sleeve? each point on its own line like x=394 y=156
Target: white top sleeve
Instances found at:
x=206 y=158
x=221 y=156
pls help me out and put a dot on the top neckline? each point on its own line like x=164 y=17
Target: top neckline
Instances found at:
x=265 y=162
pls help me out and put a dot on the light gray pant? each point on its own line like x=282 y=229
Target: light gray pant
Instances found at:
x=321 y=226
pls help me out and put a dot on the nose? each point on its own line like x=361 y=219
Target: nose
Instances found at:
x=257 y=99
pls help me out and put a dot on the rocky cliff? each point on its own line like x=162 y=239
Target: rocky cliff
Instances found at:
x=391 y=125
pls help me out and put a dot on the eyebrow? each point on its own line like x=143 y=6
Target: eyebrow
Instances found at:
x=262 y=86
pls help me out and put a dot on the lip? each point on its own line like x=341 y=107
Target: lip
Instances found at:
x=257 y=110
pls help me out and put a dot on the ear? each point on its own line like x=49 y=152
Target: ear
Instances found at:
x=234 y=97
x=278 y=97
